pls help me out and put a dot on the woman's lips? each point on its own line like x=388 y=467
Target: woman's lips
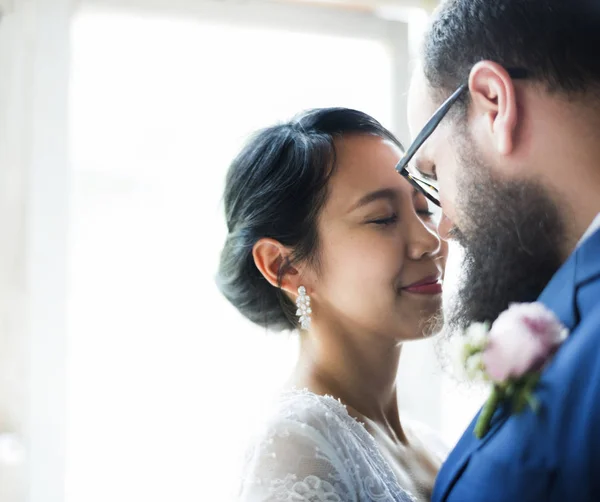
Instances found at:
x=428 y=286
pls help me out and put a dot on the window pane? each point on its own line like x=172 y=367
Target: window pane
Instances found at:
x=162 y=371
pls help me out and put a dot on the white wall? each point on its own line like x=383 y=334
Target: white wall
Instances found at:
x=13 y=297
x=33 y=216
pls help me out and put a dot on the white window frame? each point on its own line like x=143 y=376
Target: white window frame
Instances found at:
x=292 y=17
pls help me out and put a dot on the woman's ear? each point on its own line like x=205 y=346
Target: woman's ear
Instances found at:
x=270 y=256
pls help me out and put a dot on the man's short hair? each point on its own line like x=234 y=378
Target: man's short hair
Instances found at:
x=557 y=41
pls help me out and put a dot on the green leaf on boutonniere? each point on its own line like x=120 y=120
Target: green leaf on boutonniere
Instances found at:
x=483 y=422
x=518 y=393
x=524 y=393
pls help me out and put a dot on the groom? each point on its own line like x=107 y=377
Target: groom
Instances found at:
x=515 y=149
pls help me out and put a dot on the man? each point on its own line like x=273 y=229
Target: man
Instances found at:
x=515 y=150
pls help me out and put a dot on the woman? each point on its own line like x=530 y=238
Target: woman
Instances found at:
x=326 y=237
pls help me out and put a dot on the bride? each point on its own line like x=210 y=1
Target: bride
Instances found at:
x=325 y=237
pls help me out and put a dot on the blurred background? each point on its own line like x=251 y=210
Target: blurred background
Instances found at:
x=123 y=373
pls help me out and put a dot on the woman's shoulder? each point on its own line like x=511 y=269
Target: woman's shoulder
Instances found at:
x=301 y=446
x=302 y=412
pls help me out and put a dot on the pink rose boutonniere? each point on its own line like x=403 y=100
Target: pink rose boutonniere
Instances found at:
x=511 y=355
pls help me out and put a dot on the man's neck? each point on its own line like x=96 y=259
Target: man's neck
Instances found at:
x=592 y=229
x=579 y=218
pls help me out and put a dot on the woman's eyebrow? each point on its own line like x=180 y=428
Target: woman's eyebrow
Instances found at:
x=385 y=193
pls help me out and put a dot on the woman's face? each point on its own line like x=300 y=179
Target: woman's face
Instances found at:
x=380 y=258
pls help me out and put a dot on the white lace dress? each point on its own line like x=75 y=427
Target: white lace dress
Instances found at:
x=312 y=450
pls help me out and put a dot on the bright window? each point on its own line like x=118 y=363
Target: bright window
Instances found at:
x=164 y=375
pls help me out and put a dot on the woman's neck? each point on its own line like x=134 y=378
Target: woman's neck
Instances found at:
x=359 y=370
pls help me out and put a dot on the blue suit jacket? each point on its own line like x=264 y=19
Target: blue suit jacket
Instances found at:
x=553 y=455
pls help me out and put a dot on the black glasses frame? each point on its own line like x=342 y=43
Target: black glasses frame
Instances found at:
x=402 y=167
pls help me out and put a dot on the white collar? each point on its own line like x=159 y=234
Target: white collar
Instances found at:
x=591 y=230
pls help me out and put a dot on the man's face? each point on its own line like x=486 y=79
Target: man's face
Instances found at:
x=510 y=228
x=436 y=158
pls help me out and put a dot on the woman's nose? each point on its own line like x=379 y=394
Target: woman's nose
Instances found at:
x=424 y=240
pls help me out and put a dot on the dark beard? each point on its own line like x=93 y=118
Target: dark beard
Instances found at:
x=512 y=236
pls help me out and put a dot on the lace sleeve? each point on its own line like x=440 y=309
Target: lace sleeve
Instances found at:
x=295 y=462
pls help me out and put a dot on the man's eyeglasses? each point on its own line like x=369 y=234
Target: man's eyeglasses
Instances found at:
x=428 y=187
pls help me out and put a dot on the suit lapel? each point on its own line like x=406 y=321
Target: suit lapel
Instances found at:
x=460 y=455
x=588 y=260
x=583 y=265
x=559 y=295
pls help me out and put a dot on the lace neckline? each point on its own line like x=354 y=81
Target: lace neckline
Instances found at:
x=358 y=428
x=335 y=403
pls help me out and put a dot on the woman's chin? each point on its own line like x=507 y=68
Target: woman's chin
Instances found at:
x=430 y=322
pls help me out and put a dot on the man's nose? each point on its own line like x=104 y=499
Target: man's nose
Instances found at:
x=444 y=227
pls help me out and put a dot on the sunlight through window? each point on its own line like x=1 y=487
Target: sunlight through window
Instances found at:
x=165 y=378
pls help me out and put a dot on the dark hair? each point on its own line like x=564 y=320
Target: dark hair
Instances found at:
x=556 y=41
x=275 y=188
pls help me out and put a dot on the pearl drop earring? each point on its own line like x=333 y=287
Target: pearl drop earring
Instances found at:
x=304 y=310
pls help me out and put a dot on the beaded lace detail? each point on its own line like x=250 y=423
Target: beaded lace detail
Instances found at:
x=312 y=450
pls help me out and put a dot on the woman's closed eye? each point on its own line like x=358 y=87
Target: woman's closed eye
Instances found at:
x=425 y=213
x=421 y=205
x=384 y=221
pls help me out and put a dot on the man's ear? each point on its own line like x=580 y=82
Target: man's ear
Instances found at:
x=494 y=102
x=270 y=256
